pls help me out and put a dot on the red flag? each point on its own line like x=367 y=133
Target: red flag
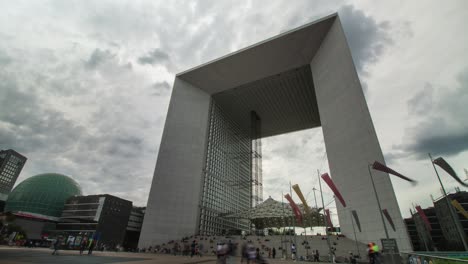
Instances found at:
x=330 y=224
x=424 y=217
x=387 y=215
x=380 y=167
x=332 y=186
x=295 y=208
x=446 y=167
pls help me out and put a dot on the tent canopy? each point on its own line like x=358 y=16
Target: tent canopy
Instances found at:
x=272 y=213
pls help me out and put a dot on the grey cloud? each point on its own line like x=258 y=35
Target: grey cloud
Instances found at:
x=27 y=124
x=160 y=88
x=4 y=58
x=366 y=37
x=98 y=57
x=442 y=125
x=422 y=101
x=154 y=57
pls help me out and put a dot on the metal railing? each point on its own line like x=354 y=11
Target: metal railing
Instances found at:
x=434 y=257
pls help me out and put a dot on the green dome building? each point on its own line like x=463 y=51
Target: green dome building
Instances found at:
x=43 y=194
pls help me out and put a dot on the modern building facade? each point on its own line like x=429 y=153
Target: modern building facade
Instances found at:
x=11 y=164
x=413 y=234
x=301 y=79
x=100 y=217
x=132 y=233
x=37 y=202
x=449 y=228
x=42 y=195
x=430 y=239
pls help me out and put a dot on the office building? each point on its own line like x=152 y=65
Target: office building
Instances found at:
x=132 y=233
x=209 y=160
x=11 y=164
x=449 y=227
x=101 y=217
x=430 y=239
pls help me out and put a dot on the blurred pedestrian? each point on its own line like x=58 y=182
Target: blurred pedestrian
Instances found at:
x=83 y=246
x=56 y=245
x=91 y=247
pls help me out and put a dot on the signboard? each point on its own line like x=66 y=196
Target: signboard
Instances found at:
x=389 y=245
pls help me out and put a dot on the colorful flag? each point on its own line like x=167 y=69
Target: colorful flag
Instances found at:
x=387 y=215
x=380 y=167
x=356 y=219
x=460 y=208
x=295 y=208
x=332 y=186
x=424 y=217
x=446 y=167
x=330 y=224
x=301 y=197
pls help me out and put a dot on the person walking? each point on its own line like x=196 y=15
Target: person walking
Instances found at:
x=83 y=245
x=91 y=247
x=317 y=256
x=373 y=253
x=192 y=248
x=56 y=246
x=293 y=252
x=273 y=253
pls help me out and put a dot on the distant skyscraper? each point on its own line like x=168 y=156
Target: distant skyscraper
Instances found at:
x=11 y=164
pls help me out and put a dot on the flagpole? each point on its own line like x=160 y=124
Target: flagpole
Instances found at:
x=378 y=201
x=324 y=216
x=282 y=233
x=452 y=213
x=315 y=197
x=295 y=220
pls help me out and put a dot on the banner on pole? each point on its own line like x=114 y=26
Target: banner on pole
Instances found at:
x=424 y=217
x=330 y=224
x=460 y=208
x=301 y=197
x=380 y=167
x=295 y=208
x=446 y=167
x=332 y=186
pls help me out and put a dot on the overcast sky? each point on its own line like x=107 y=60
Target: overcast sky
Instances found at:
x=85 y=85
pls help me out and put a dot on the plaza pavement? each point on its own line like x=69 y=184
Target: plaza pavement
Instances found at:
x=16 y=255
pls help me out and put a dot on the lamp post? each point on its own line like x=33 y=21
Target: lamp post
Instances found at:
x=315 y=197
x=324 y=217
x=378 y=201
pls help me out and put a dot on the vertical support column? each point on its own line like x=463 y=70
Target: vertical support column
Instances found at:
x=351 y=141
x=174 y=199
x=257 y=184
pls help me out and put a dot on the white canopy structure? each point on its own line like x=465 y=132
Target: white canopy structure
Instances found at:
x=272 y=213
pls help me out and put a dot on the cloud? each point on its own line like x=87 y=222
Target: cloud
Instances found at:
x=154 y=57
x=367 y=38
x=98 y=57
x=422 y=101
x=440 y=127
x=160 y=88
x=4 y=58
x=25 y=124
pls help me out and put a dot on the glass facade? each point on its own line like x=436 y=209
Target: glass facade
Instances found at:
x=231 y=178
x=42 y=194
x=11 y=164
